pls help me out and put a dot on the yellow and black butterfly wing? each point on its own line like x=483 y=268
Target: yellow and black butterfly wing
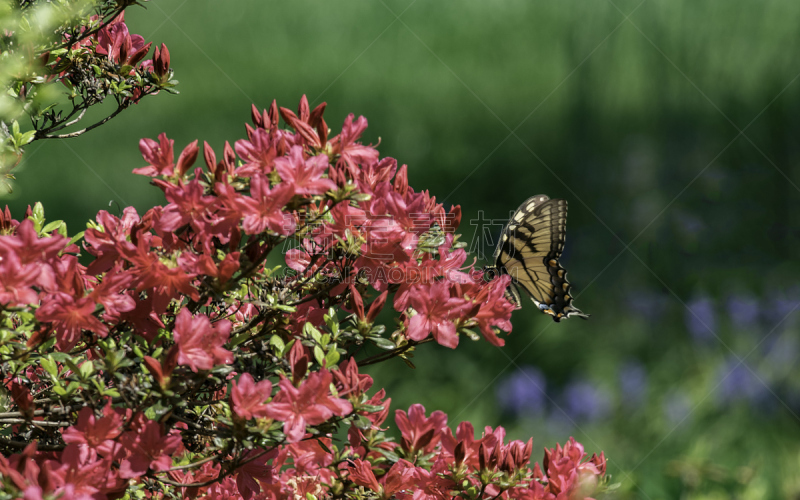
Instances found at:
x=529 y=249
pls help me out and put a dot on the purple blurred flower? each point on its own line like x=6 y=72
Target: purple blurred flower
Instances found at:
x=743 y=311
x=700 y=319
x=785 y=304
x=585 y=401
x=677 y=407
x=782 y=351
x=647 y=304
x=738 y=383
x=633 y=383
x=523 y=393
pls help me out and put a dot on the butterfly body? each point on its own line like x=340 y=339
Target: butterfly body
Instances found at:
x=528 y=251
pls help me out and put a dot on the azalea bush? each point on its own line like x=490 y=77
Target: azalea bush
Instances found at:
x=60 y=58
x=215 y=347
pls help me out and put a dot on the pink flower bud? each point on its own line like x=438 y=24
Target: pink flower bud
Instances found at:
x=187 y=158
x=316 y=115
x=401 y=180
x=161 y=61
x=376 y=306
x=209 y=157
x=255 y=115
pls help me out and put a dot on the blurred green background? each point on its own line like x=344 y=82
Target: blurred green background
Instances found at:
x=670 y=126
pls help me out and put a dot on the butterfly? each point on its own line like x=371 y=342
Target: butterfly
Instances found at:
x=528 y=251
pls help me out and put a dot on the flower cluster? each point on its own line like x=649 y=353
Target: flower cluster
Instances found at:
x=184 y=359
x=87 y=58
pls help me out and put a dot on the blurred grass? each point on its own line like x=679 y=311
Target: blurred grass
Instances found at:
x=637 y=123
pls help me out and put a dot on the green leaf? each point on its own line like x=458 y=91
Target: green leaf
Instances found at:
x=50 y=366
x=238 y=339
x=362 y=423
x=277 y=342
x=319 y=355
x=310 y=332
x=332 y=322
x=72 y=366
x=87 y=368
x=50 y=227
x=392 y=457
x=383 y=343
x=26 y=138
x=332 y=358
x=75 y=238
x=285 y=308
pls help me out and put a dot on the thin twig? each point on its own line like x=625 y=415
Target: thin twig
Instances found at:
x=36 y=423
x=81 y=132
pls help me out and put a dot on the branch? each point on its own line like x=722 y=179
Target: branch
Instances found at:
x=39 y=447
x=36 y=423
x=390 y=354
x=81 y=132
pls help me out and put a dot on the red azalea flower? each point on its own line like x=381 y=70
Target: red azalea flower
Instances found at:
x=96 y=433
x=305 y=176
x=114 y=41
x=159 y=156
x=361 y=474
x=263 y=209
x=435 y=312
x=23 y=472
x=148 y=448
x=256 y=471
x=17 y=281
x=206 y=472
x=400 y=477
x=419 y=432
x=69 y=317
x=309 y=457
x=79 y=473
x=113 y=294
x=151 y=272
x=351 y=152
x=349 y=382
x=463 y=447
x=248 y=397
x=220 y=270
x=105 y=244
x=199 y=343
x=565 y=471
x=31 y=248
x=187 y=205
x=309 y=404
x=230 y=210
x=495 y=310
x=258 y=153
